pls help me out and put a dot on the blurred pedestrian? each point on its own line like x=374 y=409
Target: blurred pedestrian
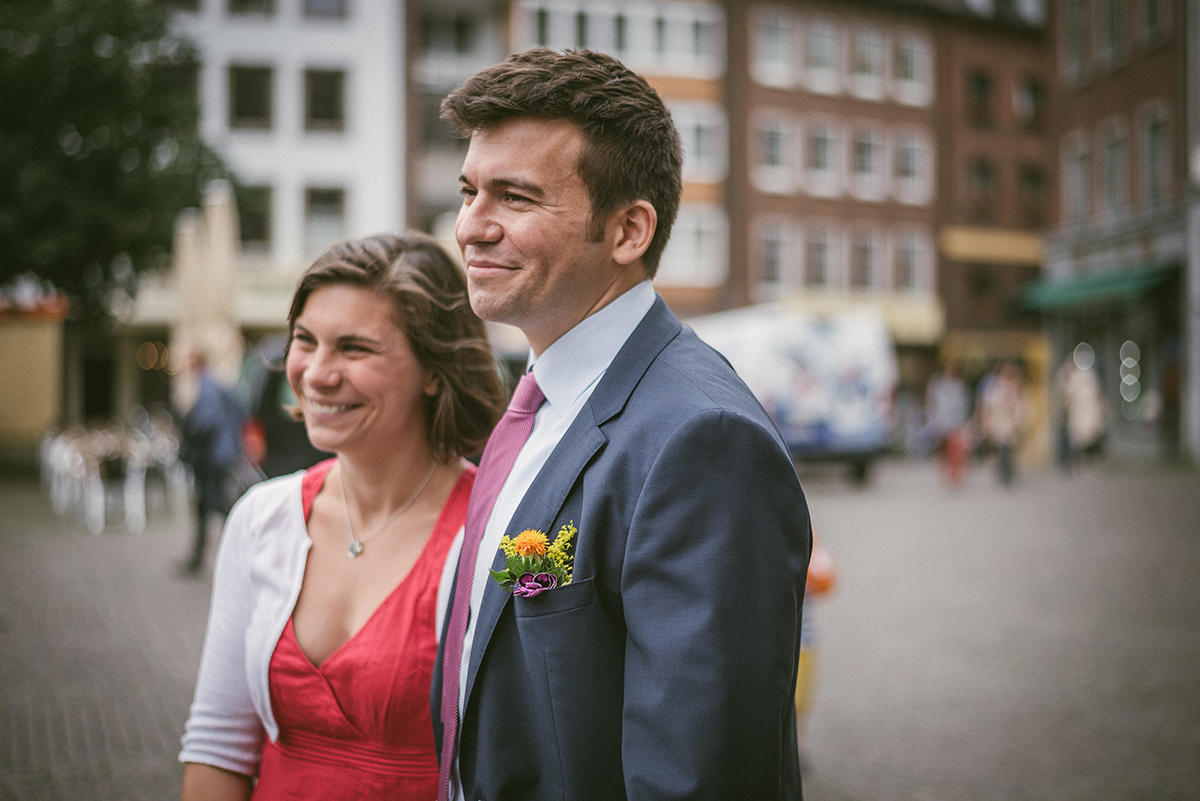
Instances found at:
x=331 y=583
x=947 y=410
x=211 y=445
x=822 y=578
x=1083 y=411
x=1004 y=416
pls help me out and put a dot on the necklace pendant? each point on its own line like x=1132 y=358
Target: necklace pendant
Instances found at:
x=355 y=548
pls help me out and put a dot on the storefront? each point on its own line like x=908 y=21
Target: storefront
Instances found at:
x=1132 y=319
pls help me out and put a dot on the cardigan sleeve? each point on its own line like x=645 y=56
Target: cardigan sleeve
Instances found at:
x=224 y=729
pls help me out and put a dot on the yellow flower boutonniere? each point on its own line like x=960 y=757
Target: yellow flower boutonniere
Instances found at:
x=533 y=564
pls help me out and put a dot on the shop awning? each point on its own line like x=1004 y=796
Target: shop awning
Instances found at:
x=1097 y=288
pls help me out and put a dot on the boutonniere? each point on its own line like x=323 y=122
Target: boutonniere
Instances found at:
x=533 y=564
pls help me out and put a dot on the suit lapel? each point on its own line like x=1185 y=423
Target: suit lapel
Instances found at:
x=549 y=490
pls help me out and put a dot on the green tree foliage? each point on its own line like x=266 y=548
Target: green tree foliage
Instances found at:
x=99 y=143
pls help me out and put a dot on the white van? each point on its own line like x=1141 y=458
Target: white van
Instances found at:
x=828 y=382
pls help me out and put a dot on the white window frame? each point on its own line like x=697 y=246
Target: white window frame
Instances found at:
x=825 y=79
x=1077 y=200
x=1112 y=179
x=872 y=185
x=781 y=229
x=776 y=179
x=1156 y=110
x=871 y=85
x=919 y=189
x=827 y=182
x=690 y=115
x=919 y=238
x=780 y=72
x=697 y=254
x=917 y=91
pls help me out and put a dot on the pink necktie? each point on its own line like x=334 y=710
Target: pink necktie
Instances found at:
x=502 y=448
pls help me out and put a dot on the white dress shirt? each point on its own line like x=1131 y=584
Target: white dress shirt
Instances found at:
x=567 y=373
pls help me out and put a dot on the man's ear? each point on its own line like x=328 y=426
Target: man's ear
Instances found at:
x=633 y=228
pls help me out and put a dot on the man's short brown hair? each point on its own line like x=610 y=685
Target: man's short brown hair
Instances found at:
x=631 y=146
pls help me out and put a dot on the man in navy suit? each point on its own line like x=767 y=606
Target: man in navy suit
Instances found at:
x=666 y=668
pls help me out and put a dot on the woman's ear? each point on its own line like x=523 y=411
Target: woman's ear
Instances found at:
x=634 y=229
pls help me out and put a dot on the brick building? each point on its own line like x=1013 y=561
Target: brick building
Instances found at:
x=1116 y=262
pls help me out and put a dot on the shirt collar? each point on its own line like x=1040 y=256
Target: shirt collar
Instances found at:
x=579 y=357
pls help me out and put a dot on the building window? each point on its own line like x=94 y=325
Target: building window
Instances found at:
x=821 y=56
x=581 y=29
x=1077 y=185
x=816 y=258
x=325 y=219
x=773 y=62
x=1031 y=182
x=1155 y=159
x=1116 y=170
x=264 y=7
x=326 y=8
x=620 y=34
x=772 y=245
x=1111 y=28
x=904 y=65
x=862 y=259
x=979 y=99
x=1029 y=104
x=1152 y=18
x=864 y=158
x=254 y=217
x=866 y=56
x=541 y=27
x=866 y=64
x=981 y=190
x=250 y=97
x=774 y=159
x=702 y=130
x=906 y=159
x=324 y=100
x=904 y=271
x=698 y=253
x=660 y=37
x=1074 y=42
x=820 y=150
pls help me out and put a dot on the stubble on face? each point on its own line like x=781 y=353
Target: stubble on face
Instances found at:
x=524 y=229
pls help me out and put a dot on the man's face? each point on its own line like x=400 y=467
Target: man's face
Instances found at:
x=523 y=230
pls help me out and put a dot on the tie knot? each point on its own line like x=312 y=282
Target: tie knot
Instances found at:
x=528 y=396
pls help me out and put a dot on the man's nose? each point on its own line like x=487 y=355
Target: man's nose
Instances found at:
x=477 y=224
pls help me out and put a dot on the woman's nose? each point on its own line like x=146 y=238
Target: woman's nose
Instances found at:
x=322 y=371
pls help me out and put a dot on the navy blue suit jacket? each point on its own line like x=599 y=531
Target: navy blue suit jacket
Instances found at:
x=667 y=668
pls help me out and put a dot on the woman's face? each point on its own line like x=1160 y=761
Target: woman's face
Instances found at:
x=356 y=378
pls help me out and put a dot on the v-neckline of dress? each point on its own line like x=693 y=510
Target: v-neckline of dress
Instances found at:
x=307 y=508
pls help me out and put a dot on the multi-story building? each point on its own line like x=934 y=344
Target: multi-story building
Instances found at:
x=305 y=100
x=996 y=172
x=833 y=197
x=678 y=45
x=1191 y=391
x=1116 y=260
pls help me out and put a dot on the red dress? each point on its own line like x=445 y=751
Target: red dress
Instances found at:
x=358 y=726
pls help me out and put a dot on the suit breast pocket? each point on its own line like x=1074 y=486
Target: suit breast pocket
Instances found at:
x=560 y=599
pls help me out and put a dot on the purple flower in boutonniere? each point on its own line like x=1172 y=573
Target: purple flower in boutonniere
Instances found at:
x=533 y=564
x=529 y=585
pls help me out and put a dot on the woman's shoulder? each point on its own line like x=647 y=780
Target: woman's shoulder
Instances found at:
x=273 y=500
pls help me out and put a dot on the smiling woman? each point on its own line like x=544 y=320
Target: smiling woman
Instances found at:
x=329 y=586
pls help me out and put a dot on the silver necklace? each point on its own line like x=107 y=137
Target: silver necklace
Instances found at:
x=357 y=545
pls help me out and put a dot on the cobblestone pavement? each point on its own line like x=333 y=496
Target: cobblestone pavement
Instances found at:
x=99 y=643
x=1040 y=642
x=1034 y=643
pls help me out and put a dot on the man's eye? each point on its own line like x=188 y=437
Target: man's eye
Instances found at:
x=467 y=192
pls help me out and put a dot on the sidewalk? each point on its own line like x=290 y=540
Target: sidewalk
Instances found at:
x=99 y=645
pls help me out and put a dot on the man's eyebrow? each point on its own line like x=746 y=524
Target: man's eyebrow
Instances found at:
x=501 y=184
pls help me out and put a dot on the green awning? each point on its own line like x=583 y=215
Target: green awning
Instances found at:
x=1096 y=288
